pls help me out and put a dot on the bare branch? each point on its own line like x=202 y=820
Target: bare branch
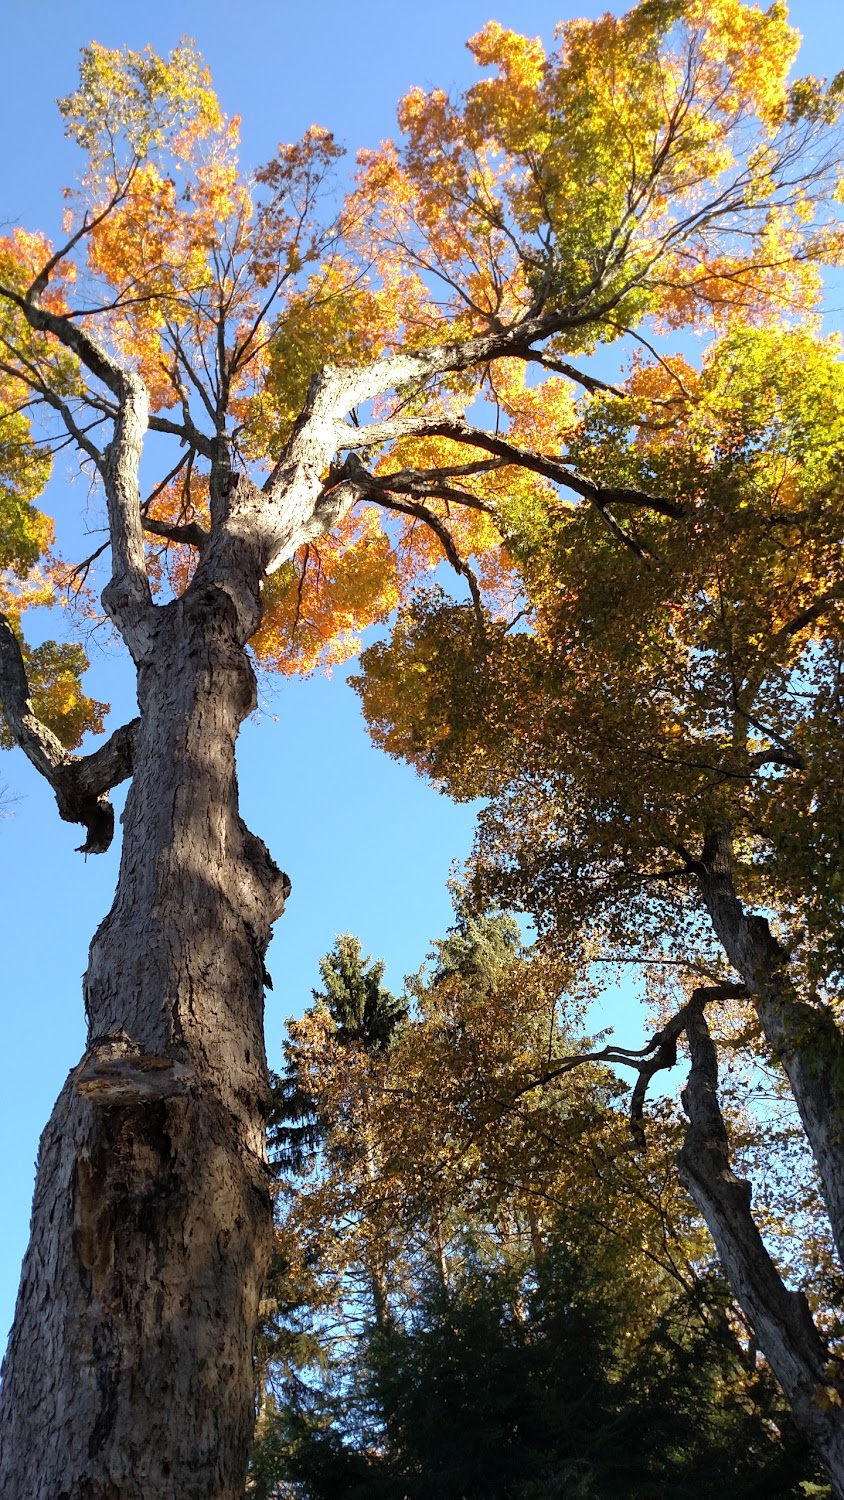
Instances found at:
x=83 y=568
x=46 y=394
x=663 y=1046
x=80 y=783
x=127 y=597
x=87 y=227
x=477 y=437
x=590 y=383
x=187 y=434
x=190 y=534
x=433 y=483
x=374 y=490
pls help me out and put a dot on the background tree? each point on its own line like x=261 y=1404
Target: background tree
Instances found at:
x=553 y=1325
x=659 y=746
x=655 y=166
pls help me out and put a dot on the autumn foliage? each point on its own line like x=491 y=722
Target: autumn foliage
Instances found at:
x=461 y=404
x=658 y=167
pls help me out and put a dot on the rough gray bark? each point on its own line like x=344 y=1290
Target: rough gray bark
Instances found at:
x=804 y=1038
x=129 y=1370
x=780 y=1319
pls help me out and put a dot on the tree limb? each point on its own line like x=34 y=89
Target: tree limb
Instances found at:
x=663 y=1046
x=190 y=533
x=590 y=383
x=459 y=430
x=780 y=1319
x=127 y=596
x=80 y=783
x=372 y=487
x=190 y=434
x=415 y=366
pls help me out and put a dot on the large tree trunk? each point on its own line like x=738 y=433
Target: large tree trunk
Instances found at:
x=129 y=1372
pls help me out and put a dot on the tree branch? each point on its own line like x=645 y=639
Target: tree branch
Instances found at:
x=809 y=615
x=663 y=1046
x=780 y=1319
x=80 y=783
x=590 y=383
x=127 y=596
x=373 y=380
x=370 y=485
x=46 y=394
x=191 y=533
x=190 y=434
x=477 y=437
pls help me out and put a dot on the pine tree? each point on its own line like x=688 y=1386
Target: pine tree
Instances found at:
x=364 y=1014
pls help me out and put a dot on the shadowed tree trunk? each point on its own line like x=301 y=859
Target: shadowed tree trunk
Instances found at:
x=129 y=1371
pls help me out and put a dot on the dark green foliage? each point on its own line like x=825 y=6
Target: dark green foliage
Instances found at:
x=507 y=1391
x=476 y=949
x=364 y=1012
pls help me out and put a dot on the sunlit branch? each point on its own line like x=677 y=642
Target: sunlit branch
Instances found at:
x=181 y=360
x=590 y=383
x=127 y=596
x=371 y=486
x=87 y=227
x=45 y=393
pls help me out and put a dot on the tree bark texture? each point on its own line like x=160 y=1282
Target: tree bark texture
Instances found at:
x=780 y=1319
x=804 y=1038
x=129 y=1372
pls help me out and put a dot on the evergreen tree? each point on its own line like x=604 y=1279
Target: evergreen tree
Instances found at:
x=364 y=1013
x=476 y=948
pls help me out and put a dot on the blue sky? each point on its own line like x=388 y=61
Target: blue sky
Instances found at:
x=368 y=845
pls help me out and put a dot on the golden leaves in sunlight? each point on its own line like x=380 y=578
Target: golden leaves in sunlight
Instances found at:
x=652 y=168
x=317 y=606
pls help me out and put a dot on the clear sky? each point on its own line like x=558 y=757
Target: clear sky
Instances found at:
x=368 y=846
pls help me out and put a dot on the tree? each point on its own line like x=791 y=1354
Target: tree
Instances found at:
x=552 y=1320
x=659 y=754
x=658 y=166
